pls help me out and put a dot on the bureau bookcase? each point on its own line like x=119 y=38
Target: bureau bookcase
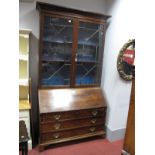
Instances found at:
x=70 y=61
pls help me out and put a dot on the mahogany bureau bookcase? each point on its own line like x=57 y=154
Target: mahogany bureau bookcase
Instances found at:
x=71 y=102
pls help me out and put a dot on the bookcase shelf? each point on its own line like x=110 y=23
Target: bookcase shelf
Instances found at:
x=24 y=64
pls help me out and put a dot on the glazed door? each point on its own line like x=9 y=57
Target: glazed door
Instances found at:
x=70 y=52
x=89 y=54
x=56 y=51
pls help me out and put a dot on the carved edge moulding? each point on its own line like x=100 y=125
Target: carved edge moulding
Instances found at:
x=125 y=61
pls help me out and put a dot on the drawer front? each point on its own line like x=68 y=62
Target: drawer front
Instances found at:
x=63 y=125
x=45 y=137
x=58 y=116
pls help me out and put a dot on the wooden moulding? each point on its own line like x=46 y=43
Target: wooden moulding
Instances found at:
x=43 y=145
x=25 y=31
x=70 y=11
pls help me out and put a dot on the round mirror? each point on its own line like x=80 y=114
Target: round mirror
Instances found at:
x=125 y=61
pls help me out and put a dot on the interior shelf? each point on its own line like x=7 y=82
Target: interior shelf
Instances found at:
x=61 y=41
x=78 y=61
x=23 y=57
x=48 y=27
x=83 y=61
x=23 y=82
x=54 y=60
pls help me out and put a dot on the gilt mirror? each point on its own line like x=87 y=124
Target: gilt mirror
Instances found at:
x=125 y=61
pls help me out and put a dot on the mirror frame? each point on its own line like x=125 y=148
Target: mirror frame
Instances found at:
x=127 y=77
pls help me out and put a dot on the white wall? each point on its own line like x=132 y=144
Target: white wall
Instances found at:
x=120 y=30
x=29 y=16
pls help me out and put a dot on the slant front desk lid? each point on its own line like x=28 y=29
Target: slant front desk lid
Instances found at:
x=56 y=100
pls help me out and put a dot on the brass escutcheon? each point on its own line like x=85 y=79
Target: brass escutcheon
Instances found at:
x=94 y=113
x=93 y=121
x=56 y=135
x=92 y=129
x=57 y=126
x=57 y=117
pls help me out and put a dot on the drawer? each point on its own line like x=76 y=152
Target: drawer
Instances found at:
x=45 y=137
x=58 y=116
x=64 y=125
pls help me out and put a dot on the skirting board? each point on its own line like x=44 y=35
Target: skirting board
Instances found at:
x=115 y=134
x=30 y=144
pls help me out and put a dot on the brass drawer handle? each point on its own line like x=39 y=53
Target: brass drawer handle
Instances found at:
x=94 y=113
x=93 y=121
x=56 y=136
x=57 y=117
x=92 y=129
x=57 y=126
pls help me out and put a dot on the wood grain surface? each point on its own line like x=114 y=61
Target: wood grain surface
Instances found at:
x=57 y=100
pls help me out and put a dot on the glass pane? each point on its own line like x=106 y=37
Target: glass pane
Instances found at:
x=56 y=51
x=90 y=42
x=55 y=73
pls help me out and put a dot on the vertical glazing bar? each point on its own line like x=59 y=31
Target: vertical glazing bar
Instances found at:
x=74 y=51
x=41 y=47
